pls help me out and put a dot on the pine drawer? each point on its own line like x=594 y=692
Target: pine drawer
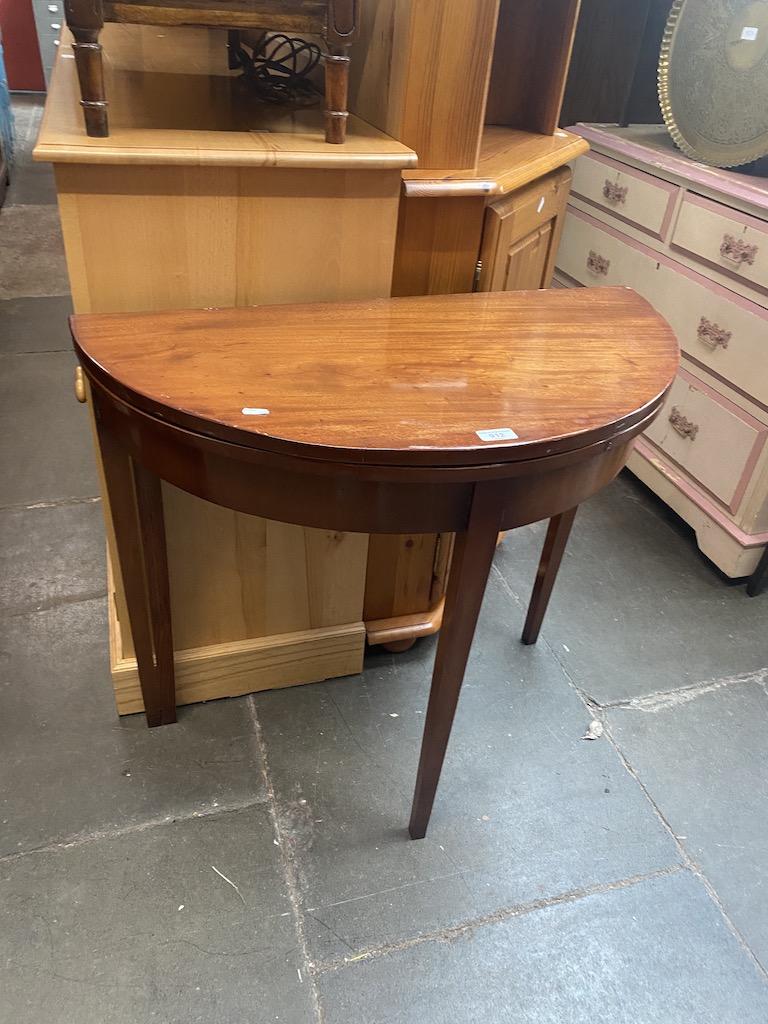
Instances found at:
x=734 y=242
x=624 y=192
x=713 y=440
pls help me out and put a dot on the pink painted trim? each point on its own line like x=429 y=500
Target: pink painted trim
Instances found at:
x=632 y=172
x=647 y=451
x=710 y=204
x=692 y=275
x=761 y=432
x=728 y=183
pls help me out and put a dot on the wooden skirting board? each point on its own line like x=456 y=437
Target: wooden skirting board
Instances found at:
x=244 y=666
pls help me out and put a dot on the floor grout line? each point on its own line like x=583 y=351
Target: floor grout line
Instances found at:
x=290 y=867
x=497 y=917
x=657 y=701
x=689 y=862
x=22 y=506
x=55 y=602
x=119 y=831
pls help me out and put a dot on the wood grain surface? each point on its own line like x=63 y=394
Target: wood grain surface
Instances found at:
x=390 y=382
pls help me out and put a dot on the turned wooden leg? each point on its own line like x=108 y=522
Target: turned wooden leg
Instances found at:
x=336 y=93
x=136 y=505
x=759 y=577
x=554 y=545
x=472 y=556
x=85 y=21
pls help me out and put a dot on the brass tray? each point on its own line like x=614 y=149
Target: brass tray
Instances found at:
x=713 y=80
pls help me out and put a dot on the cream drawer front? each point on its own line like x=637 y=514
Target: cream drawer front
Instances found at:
x=594 y=257
x=636 y=197
x=724 y=333
x=715 y=444
x=732 y=241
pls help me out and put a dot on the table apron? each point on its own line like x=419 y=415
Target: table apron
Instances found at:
x=352 y=498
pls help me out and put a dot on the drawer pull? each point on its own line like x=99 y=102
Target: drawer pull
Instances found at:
x=598 y=264
x=683 y=426
x=712 y=334
x=614 y=192
x=738 y=251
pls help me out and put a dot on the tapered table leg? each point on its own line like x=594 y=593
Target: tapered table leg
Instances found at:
x=554 y=545
x=472 y=556
x=137 y=512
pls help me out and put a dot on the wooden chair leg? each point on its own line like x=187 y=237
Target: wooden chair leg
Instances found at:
x=136 y=504
x=85 y=21
x=759 y=577
x=471 y=563
x=554 y=545
x=336 y=93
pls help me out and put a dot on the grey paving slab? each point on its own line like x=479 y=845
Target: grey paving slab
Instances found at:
x=32 y=254
x=634 y=595
x=705 y=763
x=526 y=808
x=51 y=555
x=656 y=953
x=140 y=928
x=70 y=767
x=32 y=184
x=47 y=452
x=35 y=324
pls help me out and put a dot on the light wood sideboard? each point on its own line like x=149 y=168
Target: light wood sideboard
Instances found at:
x=184 y=206
x=694 y=241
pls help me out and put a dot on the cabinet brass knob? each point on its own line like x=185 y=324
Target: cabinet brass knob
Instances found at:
x=80 y=393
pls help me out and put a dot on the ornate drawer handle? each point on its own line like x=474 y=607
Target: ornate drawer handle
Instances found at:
x=712 y=334
x=738 y=251
x=597 y=263
x=683 y=426
x=614 y=192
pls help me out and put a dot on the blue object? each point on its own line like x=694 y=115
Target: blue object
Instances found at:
x=6 y=114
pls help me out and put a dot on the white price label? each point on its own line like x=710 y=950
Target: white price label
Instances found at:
x=749 y=33
x=502 y=434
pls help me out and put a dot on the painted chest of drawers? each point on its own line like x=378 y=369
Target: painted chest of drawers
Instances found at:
x=694 y=241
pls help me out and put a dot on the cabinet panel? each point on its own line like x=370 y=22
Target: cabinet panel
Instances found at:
x=631 y=195
x=723 y=332
x=727 y=239
x=717 y=443
x=594 y=256
x=521 y=235
x=720 y=330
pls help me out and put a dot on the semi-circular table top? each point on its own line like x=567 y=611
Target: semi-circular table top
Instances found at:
x=423 y=381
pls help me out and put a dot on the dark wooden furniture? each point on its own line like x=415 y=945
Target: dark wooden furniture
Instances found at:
x=335 y=20
x=464 y=413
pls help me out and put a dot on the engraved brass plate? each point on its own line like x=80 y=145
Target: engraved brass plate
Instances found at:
x=713 y=79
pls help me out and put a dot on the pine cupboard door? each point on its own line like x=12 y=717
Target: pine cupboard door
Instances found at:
x=522 y=233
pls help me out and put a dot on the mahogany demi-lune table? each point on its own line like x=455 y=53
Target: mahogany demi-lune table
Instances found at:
x=469 y=413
